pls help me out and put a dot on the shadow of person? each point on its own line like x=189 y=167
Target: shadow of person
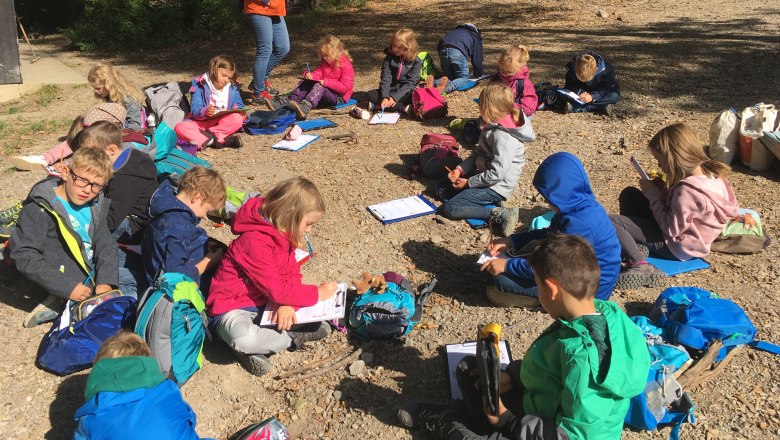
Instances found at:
x=69 y=397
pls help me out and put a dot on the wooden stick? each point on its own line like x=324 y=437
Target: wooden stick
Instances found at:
x=701 y=365
x=347 y=360
x=35 y=57
x=706 y=376
x=315 y=364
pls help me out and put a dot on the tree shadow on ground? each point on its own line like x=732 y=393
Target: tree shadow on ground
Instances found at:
x=69 y=397
x=21 y=293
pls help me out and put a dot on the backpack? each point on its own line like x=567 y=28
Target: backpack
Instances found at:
x=741 y=237
x=391 y=314
x=438 y=151
x=269 y=429
x=71 y=344
x=177 y=162
x=724 y=136
x=427 y=103
x=427 y=67
x=663 y=401
x=172 y=320
x=695 y=317
x=270 y=121
x=546 y=96
x=168 y=102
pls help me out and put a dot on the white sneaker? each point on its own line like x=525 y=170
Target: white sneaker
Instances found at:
x=28 y=163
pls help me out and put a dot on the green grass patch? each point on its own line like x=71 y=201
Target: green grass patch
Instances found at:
x=16 y=135
x=47 y=93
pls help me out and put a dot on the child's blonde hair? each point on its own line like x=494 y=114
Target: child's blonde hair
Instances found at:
x=93 y=160
x=333 y=48
x=497 y=101
x=585 y=67
x=101 y=134
x=513 y=59
x=123 y=344
x=207 y=182
x=118 y=87
x=222 y=62
x=680 y=152
x=406 y=39
x=288 y=202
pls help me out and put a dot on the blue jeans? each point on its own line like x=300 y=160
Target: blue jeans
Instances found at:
x=467 y=203
x=598 y=105
x=456 y=66
x=132 y=278
x=272 y=42
x=520 y=286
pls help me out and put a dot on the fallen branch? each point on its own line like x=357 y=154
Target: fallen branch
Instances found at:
x=315 y=364
x=707 y=375
x=701 y=365
x=340 y=364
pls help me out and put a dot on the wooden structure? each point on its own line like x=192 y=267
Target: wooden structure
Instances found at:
x=10 y=68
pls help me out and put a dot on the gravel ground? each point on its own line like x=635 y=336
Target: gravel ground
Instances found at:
x=676 y=61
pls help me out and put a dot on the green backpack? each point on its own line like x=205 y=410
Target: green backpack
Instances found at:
x=428 y=68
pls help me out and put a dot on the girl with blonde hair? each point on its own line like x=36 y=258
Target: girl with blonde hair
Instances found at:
x=110 y=85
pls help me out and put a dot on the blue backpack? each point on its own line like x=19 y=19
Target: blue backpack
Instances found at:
x=172 y=320
x=391 y=314
x=270 y=121
x=71 y=345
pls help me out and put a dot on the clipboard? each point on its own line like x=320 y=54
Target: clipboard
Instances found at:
x=349 y=103
x=222 y=113
x=315 y=124
x=299 y=144
x=402 y=209
x=456 y=352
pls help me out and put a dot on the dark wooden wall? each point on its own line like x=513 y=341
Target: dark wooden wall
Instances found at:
x=10 y=73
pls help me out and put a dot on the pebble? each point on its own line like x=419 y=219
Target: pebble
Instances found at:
x=602 y=13
x=357 y=367
x=337 y=395
x=368 y=357
x=436 y=239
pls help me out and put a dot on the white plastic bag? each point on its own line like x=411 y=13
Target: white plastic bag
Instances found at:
x=724 y=136
x=755 y=120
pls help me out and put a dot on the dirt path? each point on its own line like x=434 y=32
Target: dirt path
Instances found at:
x=676 y=60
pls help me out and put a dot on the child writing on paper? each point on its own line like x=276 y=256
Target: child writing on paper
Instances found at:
x=591 y=77
x=677 y=218
x=212 y=92
x=333 y=80
x=110 y=85
x=490 y=175
x=259 y=265
x=400 y=73
x=513 y=71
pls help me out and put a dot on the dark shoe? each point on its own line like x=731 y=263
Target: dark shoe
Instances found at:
x=270 y=89
x=609 y=109
x=233 y=141
x=504 y=299
x=640 y=275
x=210 y=142
x=428 y=417
x=299 y=338
x=272 y=103
x=429 y=81
x=643 y=249
x=301 y=108
x=46 y=311
x=567 y=108
x=442 y=84
x=261 y=98
x=504 y=220
x=10 y=215
x=256 y=364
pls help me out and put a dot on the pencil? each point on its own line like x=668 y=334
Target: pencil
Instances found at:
x=448 y=169
x=89 y=277
x=308 y=68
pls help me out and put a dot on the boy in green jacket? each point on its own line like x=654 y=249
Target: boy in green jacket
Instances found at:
x=577 y=377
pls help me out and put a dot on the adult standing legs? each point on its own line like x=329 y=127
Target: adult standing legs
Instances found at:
x=272 y=45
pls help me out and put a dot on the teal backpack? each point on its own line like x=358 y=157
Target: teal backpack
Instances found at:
x=172 y=161
x=172 y=320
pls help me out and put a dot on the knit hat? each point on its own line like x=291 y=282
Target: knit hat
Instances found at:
x=106 y=111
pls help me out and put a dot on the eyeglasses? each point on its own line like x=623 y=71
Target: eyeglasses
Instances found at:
x=80 y=182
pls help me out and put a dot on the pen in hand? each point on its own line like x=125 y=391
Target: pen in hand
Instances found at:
x=89 y=277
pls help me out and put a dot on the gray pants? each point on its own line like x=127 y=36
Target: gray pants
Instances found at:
x=239 y=331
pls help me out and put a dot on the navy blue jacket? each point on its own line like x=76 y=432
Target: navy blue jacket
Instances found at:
x=173 y=241
x=563 y=182
x=467 y=39
x=602 y=83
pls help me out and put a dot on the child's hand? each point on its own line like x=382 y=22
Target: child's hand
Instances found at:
x=648 y=185
x=327 y=290
x=585 y=97
x=284 y=318
x=80 y=292
x=211 y=110
x=494 y=267
x=496 y=246
x=102 y=288
x=504 y=382
x=307 y=75
x=493 y=419
x=454 y=175
x=460 y=183
x=387 y=102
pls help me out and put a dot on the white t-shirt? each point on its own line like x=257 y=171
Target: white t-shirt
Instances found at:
x=219 y=98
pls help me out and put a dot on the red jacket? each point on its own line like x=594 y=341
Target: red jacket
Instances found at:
x=339 y=79
x=259 y=264
x=525 y=99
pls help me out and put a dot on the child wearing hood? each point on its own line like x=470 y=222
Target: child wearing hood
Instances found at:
x=562 y=181
x=592 y=78
x=490 y=175
x=460 y=45
x=513 y=71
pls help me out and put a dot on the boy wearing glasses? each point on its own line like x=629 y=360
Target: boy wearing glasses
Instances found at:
x=61 y=240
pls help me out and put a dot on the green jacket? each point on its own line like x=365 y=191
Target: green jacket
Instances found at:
x=560 y=374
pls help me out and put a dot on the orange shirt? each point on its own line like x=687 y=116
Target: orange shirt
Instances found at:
x=275 y=8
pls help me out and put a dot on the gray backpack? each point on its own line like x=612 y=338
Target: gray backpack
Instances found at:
x=168 y=103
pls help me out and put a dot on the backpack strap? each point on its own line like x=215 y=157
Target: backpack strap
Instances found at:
x=680 y=333
x=425 y=290
x=765 y=346
x=151 y=297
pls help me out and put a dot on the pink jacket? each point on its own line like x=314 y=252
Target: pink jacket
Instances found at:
x=691 y=215
x=525 y=99
x=259 y=264
x=339 y=79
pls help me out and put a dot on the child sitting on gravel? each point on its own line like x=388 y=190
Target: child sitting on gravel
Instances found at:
x=259 y=266
x=490 y=175
x=577 y=377
x=400 y=74
x=592 y=78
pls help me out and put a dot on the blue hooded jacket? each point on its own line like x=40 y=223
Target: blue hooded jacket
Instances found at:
x=173 y=241
x=563 y=182
x=201 y=95
x=128 y=398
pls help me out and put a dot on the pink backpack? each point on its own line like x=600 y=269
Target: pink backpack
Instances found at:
x=428 y=103
x=437 y=153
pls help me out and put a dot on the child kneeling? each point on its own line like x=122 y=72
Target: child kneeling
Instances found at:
x=577 y=377
x=260 y=265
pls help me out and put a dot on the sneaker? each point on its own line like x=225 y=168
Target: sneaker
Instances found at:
x=504 y=299
x=504 y=220
x=10 y=215
x=46 y=311
x=233 y=141
x=261 y=98
x=442 y=84
x=256 y=364
x=567 y=108
x=270 y=89
x=28 y=163
x=272 y=103
x=301 y=108
x=640 y=275
x=408 y=109
x=427 y=417
x=429 y=81
x=457 y=124
x=609 y=109
x=299 y=338
x=210 y=142
x=372 y=107
x=643 y=249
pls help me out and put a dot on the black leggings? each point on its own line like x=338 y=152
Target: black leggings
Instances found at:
x=636 y=224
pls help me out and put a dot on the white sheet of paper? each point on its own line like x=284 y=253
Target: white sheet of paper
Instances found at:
x=333 y=308
x=487 y=257
x=571 y=95
x=302 y=141
x=456 y=352
x=401 y=208
x=387 y=118
x=480 y=78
